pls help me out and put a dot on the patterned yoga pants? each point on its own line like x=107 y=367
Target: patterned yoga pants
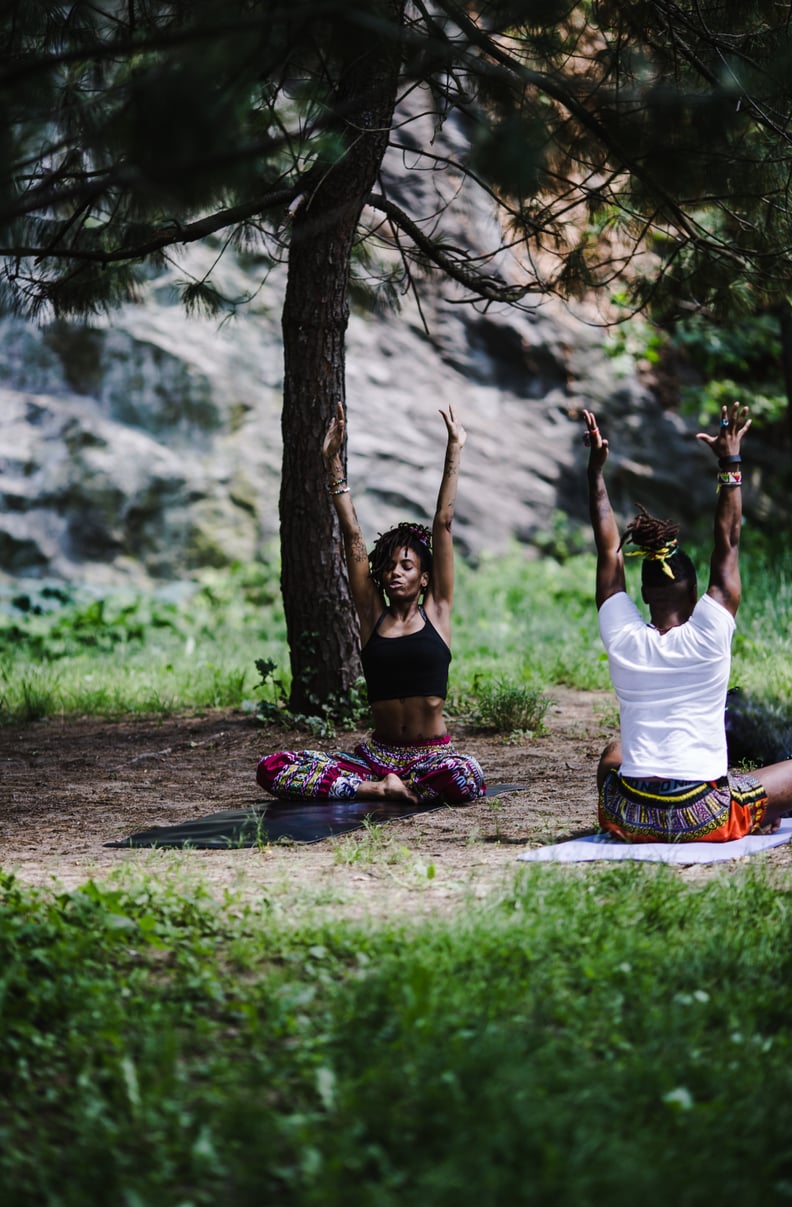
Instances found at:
x=433 y=770
x=678 y=811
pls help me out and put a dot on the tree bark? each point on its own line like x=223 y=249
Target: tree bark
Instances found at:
x=320 y=621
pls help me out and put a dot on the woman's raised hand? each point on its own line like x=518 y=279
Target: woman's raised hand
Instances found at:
x=335 y=434
x=592 y=437
x=456 y=432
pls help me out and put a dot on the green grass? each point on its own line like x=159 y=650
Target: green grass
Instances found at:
x=615 y=1037
x=521 y=626
x=71 y=652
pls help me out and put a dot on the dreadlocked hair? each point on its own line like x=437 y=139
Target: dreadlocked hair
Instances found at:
x=657 y=543
x=412 y=536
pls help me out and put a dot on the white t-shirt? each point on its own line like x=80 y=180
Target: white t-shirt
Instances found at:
x=671 y=689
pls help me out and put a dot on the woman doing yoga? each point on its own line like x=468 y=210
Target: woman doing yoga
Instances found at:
x=403 y=593
x=667 y=778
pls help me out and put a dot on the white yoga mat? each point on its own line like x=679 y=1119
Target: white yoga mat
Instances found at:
x=603 y=846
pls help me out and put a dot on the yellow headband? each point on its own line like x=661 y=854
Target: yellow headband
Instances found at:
x=657 y=555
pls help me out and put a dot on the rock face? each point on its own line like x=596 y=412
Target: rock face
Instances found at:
x=150 y=444
x=145 y=445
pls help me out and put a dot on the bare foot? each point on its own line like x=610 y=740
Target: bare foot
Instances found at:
x=389 y=788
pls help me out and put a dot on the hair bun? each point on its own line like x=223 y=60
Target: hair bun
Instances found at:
x=655 y=540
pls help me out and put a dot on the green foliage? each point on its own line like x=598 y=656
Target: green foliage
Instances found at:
x=701 y=402
x=509 y=707
x=728 y=360
x=563 y=539
x=741 y=350
x=528 y=619
x=336 y=711
x=740 y=360
x=635 y=338
x=574 y=1039
x=64 y=650
x=100 y=624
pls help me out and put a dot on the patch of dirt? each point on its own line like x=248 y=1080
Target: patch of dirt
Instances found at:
x=67 y=787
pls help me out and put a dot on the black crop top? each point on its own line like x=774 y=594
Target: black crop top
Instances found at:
x=415 y=665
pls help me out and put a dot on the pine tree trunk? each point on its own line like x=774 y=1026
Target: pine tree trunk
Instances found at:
x=320 y=620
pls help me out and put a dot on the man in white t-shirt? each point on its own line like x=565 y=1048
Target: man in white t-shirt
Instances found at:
x=667 y=777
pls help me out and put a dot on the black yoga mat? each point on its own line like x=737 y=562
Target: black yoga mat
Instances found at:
x=296 y=821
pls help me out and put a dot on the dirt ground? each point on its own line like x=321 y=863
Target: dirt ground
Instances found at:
x=67 y=787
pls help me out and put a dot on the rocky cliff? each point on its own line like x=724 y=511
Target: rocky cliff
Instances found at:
x=149 y=444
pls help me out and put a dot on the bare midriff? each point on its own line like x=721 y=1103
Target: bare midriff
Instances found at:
x=411 y=719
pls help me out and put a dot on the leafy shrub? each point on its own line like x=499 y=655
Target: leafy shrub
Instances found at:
x=739 y=359
x=340 y=710
x=510 y=707
x=702 y=402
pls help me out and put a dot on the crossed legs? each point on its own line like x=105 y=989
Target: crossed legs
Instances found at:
x=776 y=779
x=610 y=760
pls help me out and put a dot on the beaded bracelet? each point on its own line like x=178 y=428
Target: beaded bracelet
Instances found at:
x=734 y=459
x=337 y=482
x=729 y=477
x=339 y=490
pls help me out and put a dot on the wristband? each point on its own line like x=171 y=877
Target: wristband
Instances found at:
x=725 y=462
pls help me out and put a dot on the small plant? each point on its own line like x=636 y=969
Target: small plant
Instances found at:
x=510 y=707
x=252 y=833
x=495 y=807
x=271 y=712
x=607 y=715
x=374 y=846
x=29 y=696
x=339 y=711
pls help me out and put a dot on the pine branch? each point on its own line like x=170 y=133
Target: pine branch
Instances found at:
x=88 y=188
x=456 y=266
x=564 y=95
x=165 y=236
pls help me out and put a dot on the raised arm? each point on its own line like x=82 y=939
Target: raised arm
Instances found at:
x=610 y=559
x=367 y=599
x=440 y=595
x=724 y=581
